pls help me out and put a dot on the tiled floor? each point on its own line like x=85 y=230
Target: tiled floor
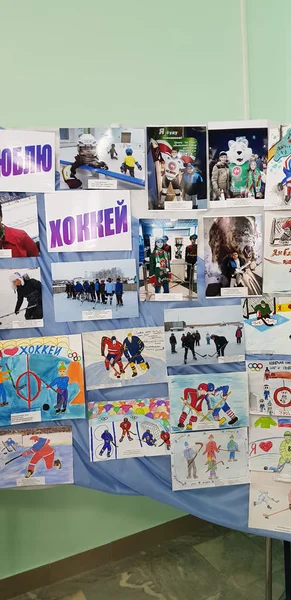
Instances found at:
x=212 y=564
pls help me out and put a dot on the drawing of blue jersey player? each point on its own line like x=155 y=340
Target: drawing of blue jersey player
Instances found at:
x=108 y=440
x=232 y=448
x=266 y=392
x=9 y=445
x=148 y=438
x=133 y=347
x=216 y=401
x=62 y=383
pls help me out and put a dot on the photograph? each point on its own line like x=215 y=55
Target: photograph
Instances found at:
x=207 y=335
x=238 y=153
x=102 y=158
x=89 y=221
x=168 y=259
x=33 y=457
x=270 y=503
x=270 y=445
x=278 y=187
x=21 y=298
x=209 y=459
x=19 y=235
x=267 y=324
x=108 y=354
x=277 y=252
x=41 y=379
x=129 y=428
x=92 y=290
x=177 y=167
x=269 y=387
x=233 y=256
x=215 y=400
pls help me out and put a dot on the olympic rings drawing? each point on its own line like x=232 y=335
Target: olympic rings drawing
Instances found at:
x=75 y=356
x=255 y=366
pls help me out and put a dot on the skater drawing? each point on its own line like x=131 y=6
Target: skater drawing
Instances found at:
x=211 y=449
x=113 y=351
x=190 y=455
x=9 y=445
x=41 y=450
x=4 y=376
x=232 y=448
x=125 y=426
x=62 y=382
x=129 y=162
x=132 y=348
x=148 y=438
x=212 y=468
x=264 y=498
x=165 y=437
x=107 y=443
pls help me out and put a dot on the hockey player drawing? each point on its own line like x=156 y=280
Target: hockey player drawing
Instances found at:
x=264 y=315
x=86 y=155
x=113 y=351
x=148 y=438
x=129 y=162
x=132 y=348
x=165 y=437
x=41 y=450
x=216 y=401
x=62 y=382
x=193 y=400
x=4 y=376
x=107 y=445
x=190 y=455
x=286 y=181
x=211 y=449
x=286 y=236
x=125 y=426
x=160 y=269
x=9 y=445
x=285 y=452
x=264 y=498
x=232 y=448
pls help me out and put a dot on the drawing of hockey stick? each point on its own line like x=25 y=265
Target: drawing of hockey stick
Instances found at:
x=20 y=387
x=11 y=459
x=216 y=406
x=218 y=463
x=195 y=409
x=275 y=513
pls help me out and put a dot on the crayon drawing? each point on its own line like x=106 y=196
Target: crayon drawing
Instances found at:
x=129 y=428
x=40 y=456
x=124 y=357
x=209 y=458
x=270 y=387
x=270 y=503
x=268 y=324
x=270 y=445
x=277 y=252
x=216 y=400
x=41 y=379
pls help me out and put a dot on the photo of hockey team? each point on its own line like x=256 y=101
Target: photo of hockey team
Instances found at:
x=238 y=163
x=177 y=171
x=20 y=298
x=102 y=158
x=204 y=335
x=92 y=290
x=19 y=236
x=233 y=256
x=124 y=357
x=270 y=387
x=168 y=259
x=267 y=324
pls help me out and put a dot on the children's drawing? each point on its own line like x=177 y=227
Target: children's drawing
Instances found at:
x=268 y=324
x=278 y=187
x=168 y=259
x=216 y=400
x=40 y=456
x=270 y=387
x=233 y=256
x=20 y=298
x=270 y=503
x=124 y=357
x=204 y=335
x=41 y=379
x=238 y=163
x=277 y=252
x=270 y=445
x=129 y=428
x=209 y=458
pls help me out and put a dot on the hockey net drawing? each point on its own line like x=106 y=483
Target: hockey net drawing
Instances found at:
x=249 y=305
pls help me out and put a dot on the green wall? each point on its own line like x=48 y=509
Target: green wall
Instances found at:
x=71 y=63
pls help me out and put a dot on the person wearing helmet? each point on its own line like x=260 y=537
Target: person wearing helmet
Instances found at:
x=129 y=162
x=62 y=382
x=87 y=155
x=174 y=166
x=193 y=400
x=125 y=426
x=133 y=347
x=166 y=439
x=41 y=450
x=192 y=181
x=29 y=288
x=285 y=451
x=16 y=240
x=112 y=349
x=160 y=268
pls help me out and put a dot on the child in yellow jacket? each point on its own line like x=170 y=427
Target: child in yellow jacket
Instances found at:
x=129 y=163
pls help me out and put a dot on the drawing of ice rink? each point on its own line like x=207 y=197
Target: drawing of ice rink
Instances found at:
x=21 y=214
x=270 y=501
x=8 y=300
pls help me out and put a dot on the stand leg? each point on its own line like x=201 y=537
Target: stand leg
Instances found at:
x=287 y=565
x=268 y=593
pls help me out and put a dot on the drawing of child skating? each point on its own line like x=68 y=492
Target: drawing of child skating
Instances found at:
x=232 y=447
x=264 y=498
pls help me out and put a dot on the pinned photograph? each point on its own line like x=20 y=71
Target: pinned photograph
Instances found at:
x=124 y=357
x=168 y=252
x=277 y=252
x=177 y=171
x=270 y=503
x=270 y=387
x=278 y=188
x=238 y=163
x=216 y=400
x=40 y=456
x=19 y=237
x=41 y=379
x=129 y=428
x=207 y=335
x=268 y=324
x=102 y=158
x=92 y=290
x=209 y=459
x=21 y=298
x=233 y=256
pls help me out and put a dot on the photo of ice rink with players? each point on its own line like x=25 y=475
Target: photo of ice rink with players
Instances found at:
x=84 y=290
x=92 y=156
x=211 y=335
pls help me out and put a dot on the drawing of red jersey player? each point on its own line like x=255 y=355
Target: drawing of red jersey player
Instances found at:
x=193 y=400
x=113 y=351
x=41 y=450
x=286 y=236
x=211 y=449
x=125 y=428
x=165 y=437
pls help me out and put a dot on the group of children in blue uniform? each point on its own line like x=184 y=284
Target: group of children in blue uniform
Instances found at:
x=98 y=291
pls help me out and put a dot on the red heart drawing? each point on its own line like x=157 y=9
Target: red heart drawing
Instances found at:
x=11 y=351
x=266 y=446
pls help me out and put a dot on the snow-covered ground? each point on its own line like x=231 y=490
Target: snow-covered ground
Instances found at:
x=98 y=377
x=67 y=309
x=8 y=299
x=175 y=288
x=232 y=349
